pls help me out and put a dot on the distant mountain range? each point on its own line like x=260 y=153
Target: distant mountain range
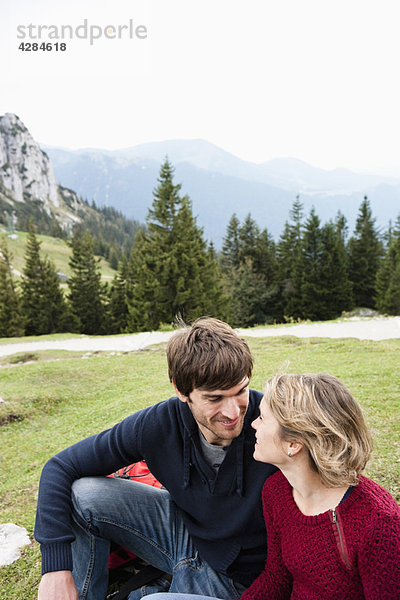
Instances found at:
x=220 y=184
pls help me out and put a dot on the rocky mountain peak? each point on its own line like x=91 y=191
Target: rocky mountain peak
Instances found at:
x=25 y=170
x=28 y=185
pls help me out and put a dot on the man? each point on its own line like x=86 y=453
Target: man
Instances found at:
x=206 y=526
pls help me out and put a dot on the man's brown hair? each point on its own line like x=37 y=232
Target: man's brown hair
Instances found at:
x=208 y=355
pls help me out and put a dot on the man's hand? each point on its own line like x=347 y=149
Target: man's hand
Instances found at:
x=57 y=585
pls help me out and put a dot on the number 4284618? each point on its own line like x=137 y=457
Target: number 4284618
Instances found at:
x=44 y=46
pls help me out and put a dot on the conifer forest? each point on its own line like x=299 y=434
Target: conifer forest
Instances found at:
x=314 y=271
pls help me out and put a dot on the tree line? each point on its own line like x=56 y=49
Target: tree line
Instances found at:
x=314 y=271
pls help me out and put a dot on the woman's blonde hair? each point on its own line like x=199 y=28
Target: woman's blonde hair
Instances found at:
x=319 y=412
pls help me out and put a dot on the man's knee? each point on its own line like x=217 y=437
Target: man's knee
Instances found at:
x=87 y=492
x=107 y=496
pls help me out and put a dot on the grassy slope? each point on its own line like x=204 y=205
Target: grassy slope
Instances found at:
x=61 y=402
x=55 y=248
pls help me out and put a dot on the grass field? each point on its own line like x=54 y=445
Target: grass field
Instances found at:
x=56 y=399
x=55 y=248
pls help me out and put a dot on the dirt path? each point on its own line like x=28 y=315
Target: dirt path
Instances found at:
x=378 y=328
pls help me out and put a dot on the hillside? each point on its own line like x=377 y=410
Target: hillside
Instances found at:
x=55 y=248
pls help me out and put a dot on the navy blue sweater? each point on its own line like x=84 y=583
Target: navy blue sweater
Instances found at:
x=167 y=437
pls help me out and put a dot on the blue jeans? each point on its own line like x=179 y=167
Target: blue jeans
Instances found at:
x=145 y=520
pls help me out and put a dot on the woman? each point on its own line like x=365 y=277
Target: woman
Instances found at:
x=332 y=533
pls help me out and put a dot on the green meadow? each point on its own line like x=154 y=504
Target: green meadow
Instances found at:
x=55 y=248
x=53 y=399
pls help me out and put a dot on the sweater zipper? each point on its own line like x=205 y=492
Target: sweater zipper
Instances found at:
x=338 y=532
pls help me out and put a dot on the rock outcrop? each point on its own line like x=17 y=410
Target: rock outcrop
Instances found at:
x=26 y=170
x=27 y=177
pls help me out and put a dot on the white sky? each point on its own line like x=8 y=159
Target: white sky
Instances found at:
x=311 y=79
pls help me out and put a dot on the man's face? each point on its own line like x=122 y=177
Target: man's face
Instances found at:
x=219 y=413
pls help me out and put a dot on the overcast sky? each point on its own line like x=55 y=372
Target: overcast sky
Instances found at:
x=310 y=79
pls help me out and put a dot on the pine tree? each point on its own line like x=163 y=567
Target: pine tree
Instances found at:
x=58 y=313
x=393 y=294
x=170 y=263
x=314 y=259
x=119 y=298
x=326 y=288
x=334 y=278
x=313 y=291
x=365 y=250
x=388 y=275
x=216 y=299
x=34 y=303
x=152 y=260
x=268 y=259
x=11 y=319
x=186 y=266
x=290 y=263
x=250 y=295
x=43 y=302
x=230 y=245
x=112 y=257
x=249 y=268
x=143 y=312
x=86 y=292
x=250 y=242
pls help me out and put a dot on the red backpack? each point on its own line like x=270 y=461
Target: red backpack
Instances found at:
x=138 y=472
x=121 y=557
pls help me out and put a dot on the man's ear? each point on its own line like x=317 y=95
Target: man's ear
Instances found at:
x=181 y=396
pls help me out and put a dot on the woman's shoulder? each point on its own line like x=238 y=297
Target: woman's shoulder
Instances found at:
x=373 y=519
x=370 y=506
x=277 y=499
x=376 y=496
x=276 y=485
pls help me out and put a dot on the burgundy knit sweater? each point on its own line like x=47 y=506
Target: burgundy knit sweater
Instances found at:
x=352 y=553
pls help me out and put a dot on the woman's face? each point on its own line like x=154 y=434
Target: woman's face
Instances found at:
x=269 y=445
